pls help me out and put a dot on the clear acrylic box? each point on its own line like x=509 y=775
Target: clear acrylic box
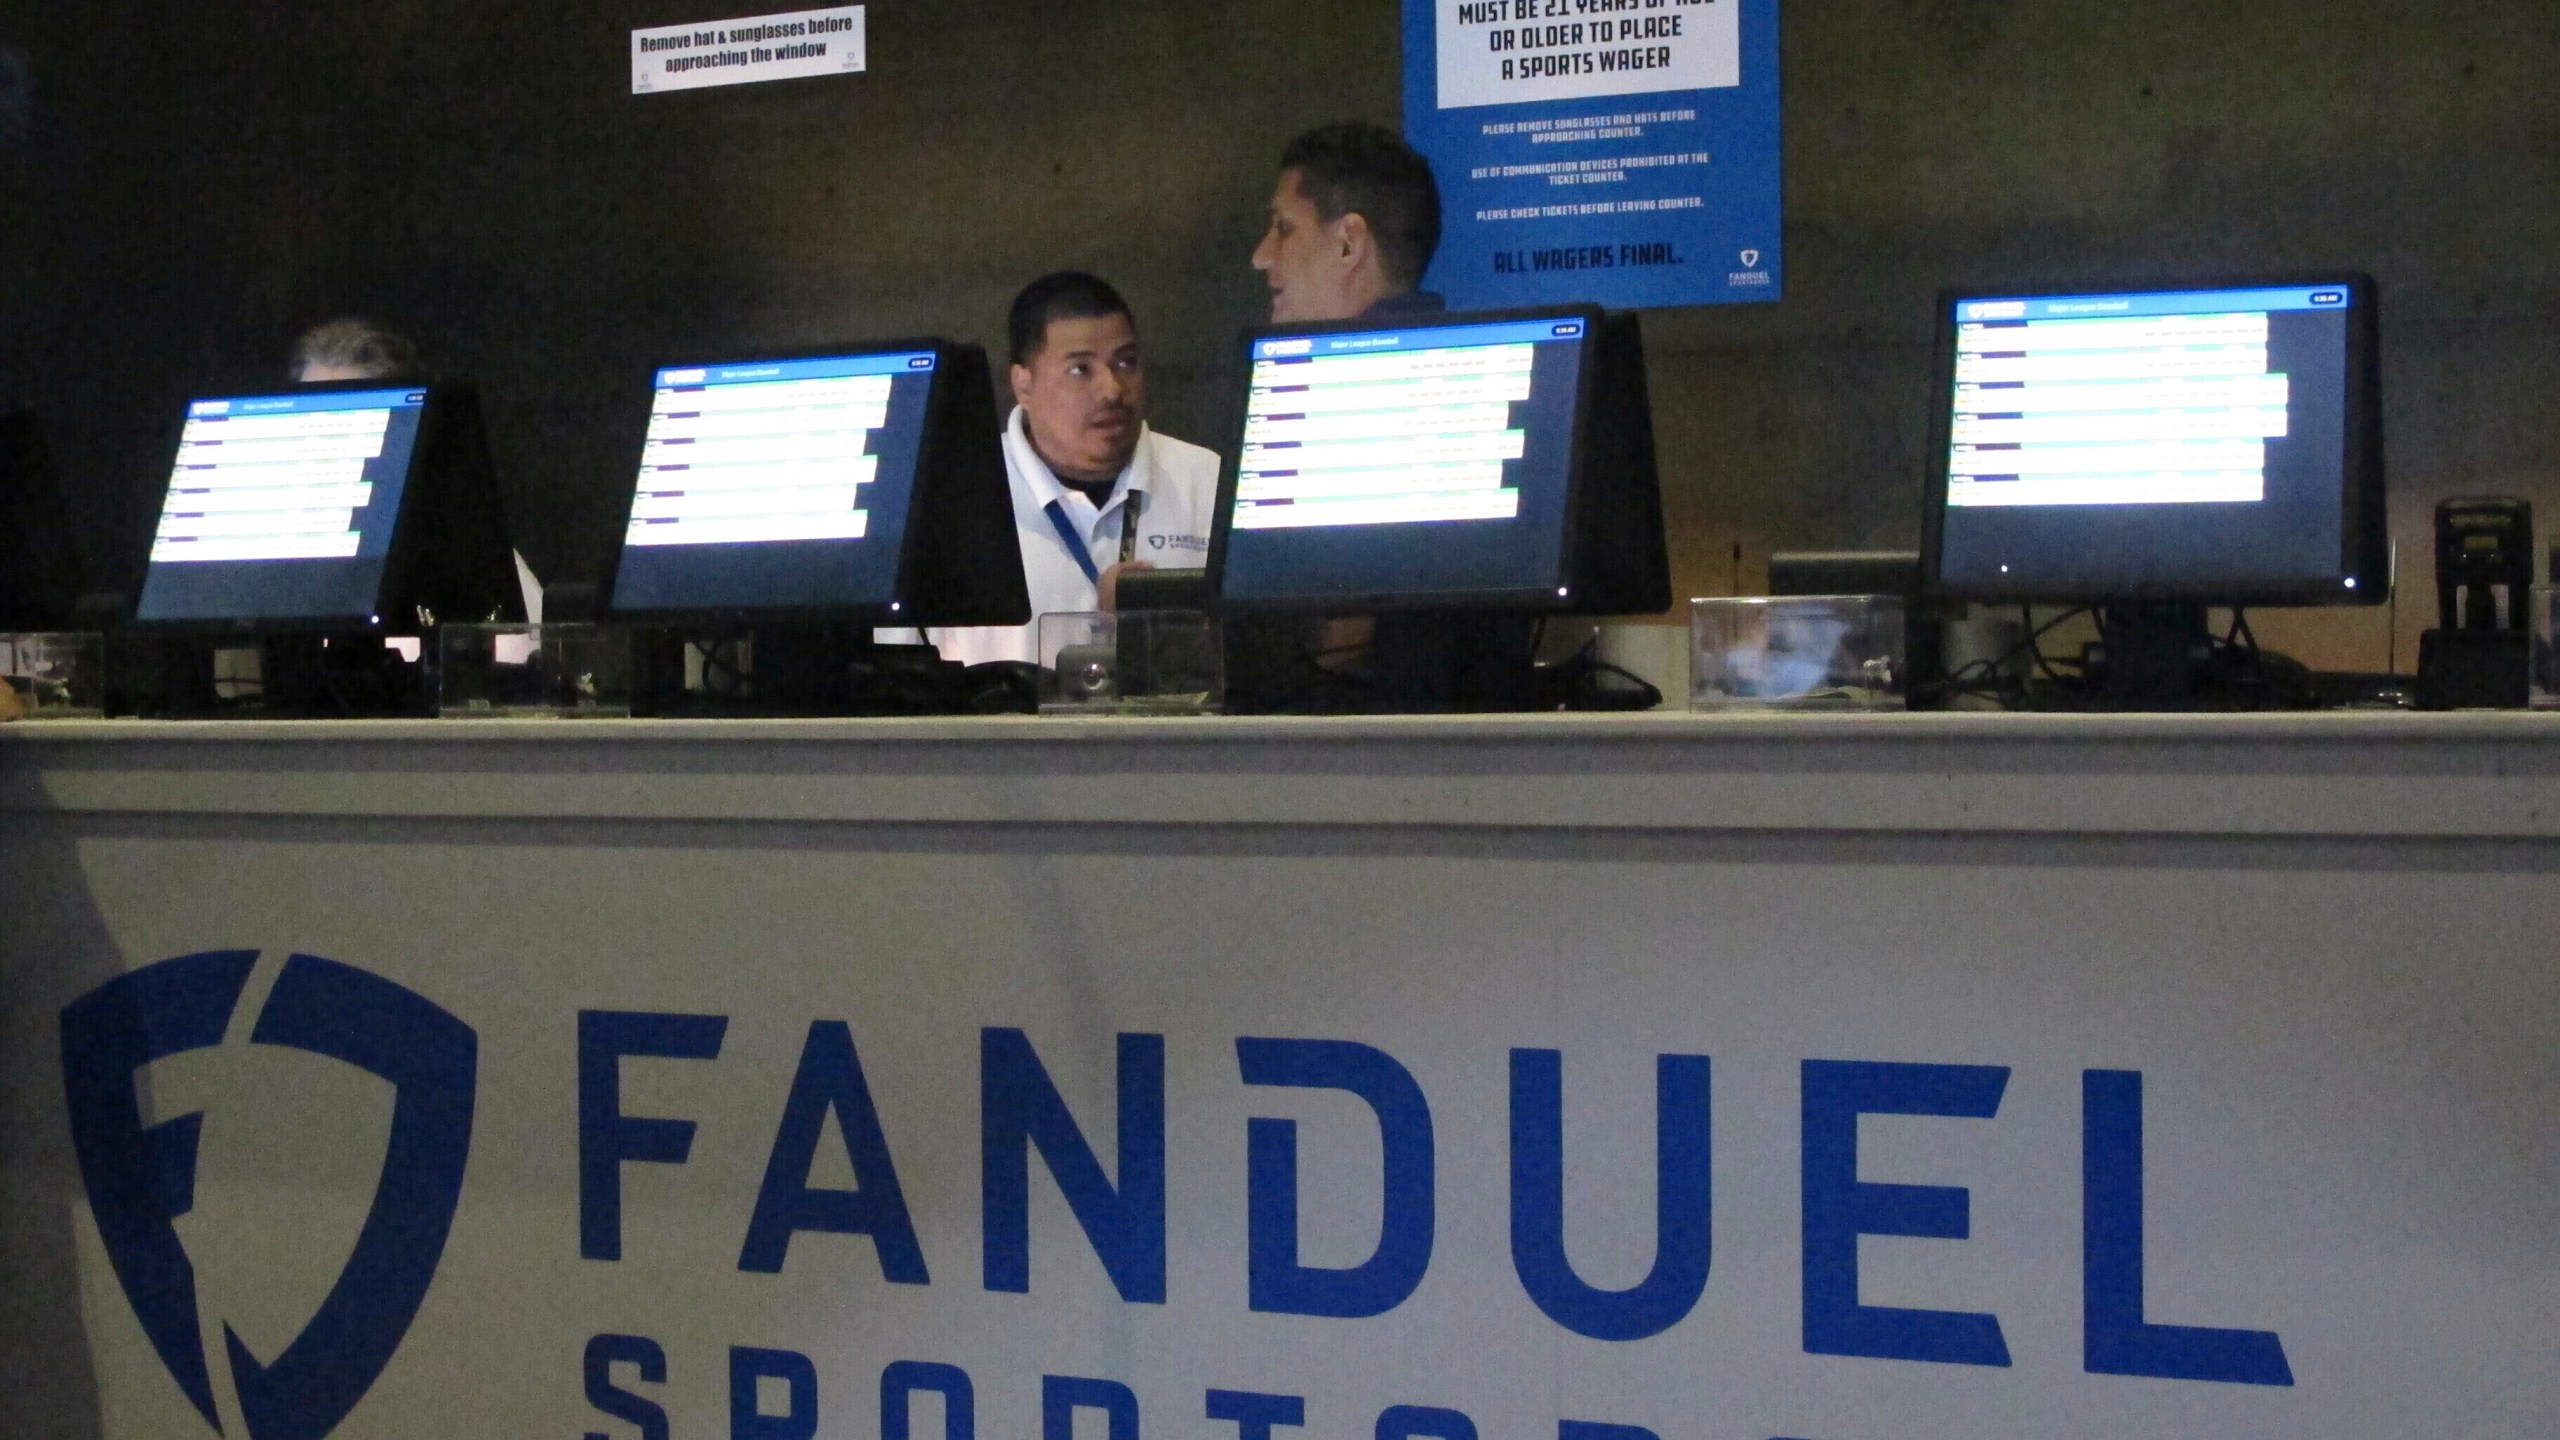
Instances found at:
x=1148 y=662
x=1820 y=652
x=56 y=676
x=533 y=672
x=2546 y=647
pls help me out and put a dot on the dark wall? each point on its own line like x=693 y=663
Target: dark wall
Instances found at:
x=196 y=183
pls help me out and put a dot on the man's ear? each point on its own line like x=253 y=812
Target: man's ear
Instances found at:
x=1352 y=232
x=1021 y=377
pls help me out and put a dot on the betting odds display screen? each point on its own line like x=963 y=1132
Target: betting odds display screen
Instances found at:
x=776 y=485
x=283 y=507
x=2178 y=443
x=1427 y=462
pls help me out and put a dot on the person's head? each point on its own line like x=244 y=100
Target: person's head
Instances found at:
x=1355 y=219
x=1078 y=375
x=352 y=349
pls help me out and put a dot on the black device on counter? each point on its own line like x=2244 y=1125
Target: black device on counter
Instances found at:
x=1453 y=476
x=2484 y=563
x=2155 y=452
x=1845 y=572
x=2480 y=654
x=784 y=506
x=312 y=525
x=1138 y=590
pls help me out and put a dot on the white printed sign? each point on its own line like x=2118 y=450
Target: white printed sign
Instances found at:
x=1504 y=52
x=742 y=52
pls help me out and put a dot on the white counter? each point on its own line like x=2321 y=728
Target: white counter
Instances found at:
x=2469 y=775
x=1916 y=951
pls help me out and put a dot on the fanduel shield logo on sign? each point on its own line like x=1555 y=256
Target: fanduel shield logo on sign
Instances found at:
x=142 y=1178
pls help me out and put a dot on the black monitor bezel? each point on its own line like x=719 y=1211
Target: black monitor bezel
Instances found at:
x=1539 y=598
x=2364 y=534
x=443 y=399
x=947 y=355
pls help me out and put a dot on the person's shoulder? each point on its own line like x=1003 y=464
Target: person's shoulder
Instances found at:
x=1027 y=496
x=1183 y=460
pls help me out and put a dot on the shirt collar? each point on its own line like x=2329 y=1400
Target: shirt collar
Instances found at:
x=1411 y=302
x=1047 y=488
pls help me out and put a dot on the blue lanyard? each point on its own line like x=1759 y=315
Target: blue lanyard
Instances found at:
x=1130 y=509
x=1066 y=529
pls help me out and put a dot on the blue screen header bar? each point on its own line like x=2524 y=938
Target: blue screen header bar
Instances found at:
x=2154 y=303
x=1445 y=337
x=242 y=406
x=830 y=367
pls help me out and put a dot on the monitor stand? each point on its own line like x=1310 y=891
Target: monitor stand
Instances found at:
x=802 y=670
x=1426 y=662
x=2154 y=656
x=1417 y=662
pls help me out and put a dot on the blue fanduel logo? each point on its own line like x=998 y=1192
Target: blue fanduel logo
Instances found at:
x=142 y=1178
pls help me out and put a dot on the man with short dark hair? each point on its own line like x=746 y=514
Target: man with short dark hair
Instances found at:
x=1355 y=220
x=1095 y=491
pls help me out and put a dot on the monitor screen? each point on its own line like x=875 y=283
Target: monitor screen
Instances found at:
x=1419 y=463
x=283 y=507
x=2175 y=445
x=777 y=485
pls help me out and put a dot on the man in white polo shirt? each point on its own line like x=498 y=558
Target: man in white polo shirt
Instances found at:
x=1095 y=491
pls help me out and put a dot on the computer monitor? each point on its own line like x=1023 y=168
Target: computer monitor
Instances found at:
x=360 y=507
x=862 y=484
x=2216 y=445
x=42 y=573
x=1496 y=461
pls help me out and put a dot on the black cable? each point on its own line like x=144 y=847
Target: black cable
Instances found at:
x=713 y=663
x=1962 y=680
x=2044 y=667
x=1644 y=694
x=1574 y=683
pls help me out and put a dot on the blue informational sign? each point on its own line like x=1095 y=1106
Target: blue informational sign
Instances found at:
x=1624 y=152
